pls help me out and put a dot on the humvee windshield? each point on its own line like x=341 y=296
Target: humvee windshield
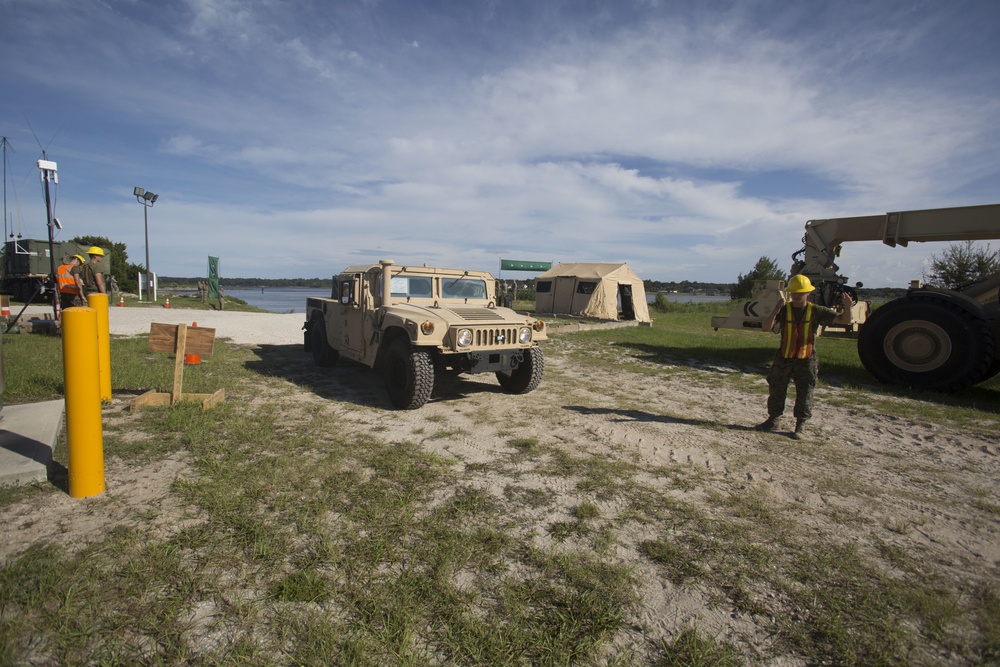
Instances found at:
x=463 y=288
x=415 y=286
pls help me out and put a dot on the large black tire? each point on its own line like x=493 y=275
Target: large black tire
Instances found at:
x=409 y=375
x=323 y=355
x=925 y=342
x=528 y=374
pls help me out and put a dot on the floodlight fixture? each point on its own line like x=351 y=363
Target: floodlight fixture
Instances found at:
x=147 y=199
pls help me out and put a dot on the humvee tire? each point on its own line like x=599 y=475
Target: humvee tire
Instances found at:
x=323 y=355
x=409 y=375
x=528 y=374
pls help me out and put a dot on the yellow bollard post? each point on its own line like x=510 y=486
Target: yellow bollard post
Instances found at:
x=99 y=302
x=84 y=433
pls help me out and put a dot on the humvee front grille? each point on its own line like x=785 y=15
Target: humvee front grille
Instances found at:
x=499 y=337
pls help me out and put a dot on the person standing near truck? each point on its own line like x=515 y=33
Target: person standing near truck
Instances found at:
x=796 y=360
x=70 y=285
x=93 y=280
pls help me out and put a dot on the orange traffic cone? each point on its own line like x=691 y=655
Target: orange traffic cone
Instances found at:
x=167 y=304
x=5 y=310
x=121 y=300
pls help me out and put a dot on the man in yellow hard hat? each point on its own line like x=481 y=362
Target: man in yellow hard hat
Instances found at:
x=93 y=280
x=796 y=361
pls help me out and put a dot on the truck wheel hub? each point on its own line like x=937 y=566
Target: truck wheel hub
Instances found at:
x=918 y=345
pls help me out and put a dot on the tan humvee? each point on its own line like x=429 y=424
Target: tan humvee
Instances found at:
x=411 y=322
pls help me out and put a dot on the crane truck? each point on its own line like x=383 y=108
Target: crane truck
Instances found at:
x=931 y=338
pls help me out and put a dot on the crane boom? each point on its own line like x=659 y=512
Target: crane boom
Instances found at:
x=823 y=238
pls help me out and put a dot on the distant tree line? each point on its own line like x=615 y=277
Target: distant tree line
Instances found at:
x=686 y=286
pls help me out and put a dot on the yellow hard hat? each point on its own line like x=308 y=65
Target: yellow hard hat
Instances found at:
x=82 y=260
x=94 y=250
x=798 y=284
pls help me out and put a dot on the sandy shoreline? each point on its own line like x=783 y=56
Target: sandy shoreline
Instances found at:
x=239 y=327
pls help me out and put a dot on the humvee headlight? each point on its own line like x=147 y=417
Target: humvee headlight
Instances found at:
x=427 y=327
x=524 y=335
x=538 y=325
x=464 y=337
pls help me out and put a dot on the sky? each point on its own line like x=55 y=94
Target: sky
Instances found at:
x=687 y=139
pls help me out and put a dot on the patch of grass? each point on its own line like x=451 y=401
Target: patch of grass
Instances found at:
x=988 y=623
x=33 y=368
x=586 y=511
x=525 y=445
x=528 y=497
x=306 y=585
x=691 y=648
x=191 y=302
x=681 y=565
x=982 y=499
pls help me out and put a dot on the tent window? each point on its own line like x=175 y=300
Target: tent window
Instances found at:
x=585 y=288
x=543 y=286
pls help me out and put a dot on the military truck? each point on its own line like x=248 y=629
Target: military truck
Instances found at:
x=26 y=265
x=416 y=323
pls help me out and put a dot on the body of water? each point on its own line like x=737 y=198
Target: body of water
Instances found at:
x=293 y=299
x=276 y=299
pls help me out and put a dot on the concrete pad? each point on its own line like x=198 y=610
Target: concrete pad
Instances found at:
x=28 y=434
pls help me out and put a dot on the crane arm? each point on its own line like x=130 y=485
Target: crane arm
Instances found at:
x=823 y=238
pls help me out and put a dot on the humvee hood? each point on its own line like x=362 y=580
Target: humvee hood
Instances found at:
x=456 y=314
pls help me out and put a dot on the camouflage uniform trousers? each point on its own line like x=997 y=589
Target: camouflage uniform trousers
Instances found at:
x=804 y=373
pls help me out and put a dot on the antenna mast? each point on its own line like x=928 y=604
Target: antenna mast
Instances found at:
x=4 y=141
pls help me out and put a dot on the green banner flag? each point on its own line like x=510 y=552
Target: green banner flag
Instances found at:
x=517 y=265
x=213 y=277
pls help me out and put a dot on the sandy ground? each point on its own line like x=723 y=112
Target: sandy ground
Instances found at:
x=927 y=489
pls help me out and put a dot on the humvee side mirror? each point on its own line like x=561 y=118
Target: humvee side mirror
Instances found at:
x=346 y=293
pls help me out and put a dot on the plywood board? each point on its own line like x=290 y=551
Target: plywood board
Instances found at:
x=163 y=338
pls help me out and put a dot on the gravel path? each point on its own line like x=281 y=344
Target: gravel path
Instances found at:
x=243 y=328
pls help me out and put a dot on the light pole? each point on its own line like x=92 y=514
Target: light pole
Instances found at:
x=147 y=199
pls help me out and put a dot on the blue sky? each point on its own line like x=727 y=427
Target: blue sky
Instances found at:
x=687 y=139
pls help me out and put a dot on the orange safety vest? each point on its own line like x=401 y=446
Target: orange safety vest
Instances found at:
x=797 y=336
x=64 y=277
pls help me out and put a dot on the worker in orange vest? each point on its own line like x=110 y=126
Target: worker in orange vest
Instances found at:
x=70 y=285
x=796 y=360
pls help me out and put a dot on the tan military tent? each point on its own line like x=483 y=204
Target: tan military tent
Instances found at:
x=592 y=290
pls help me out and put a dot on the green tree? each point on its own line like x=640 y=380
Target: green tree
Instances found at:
x=765 y=269
x=963 y=264
x=125 y=274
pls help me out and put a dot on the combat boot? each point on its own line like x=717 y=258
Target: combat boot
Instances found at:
x=800 y=429
x=769 y=424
